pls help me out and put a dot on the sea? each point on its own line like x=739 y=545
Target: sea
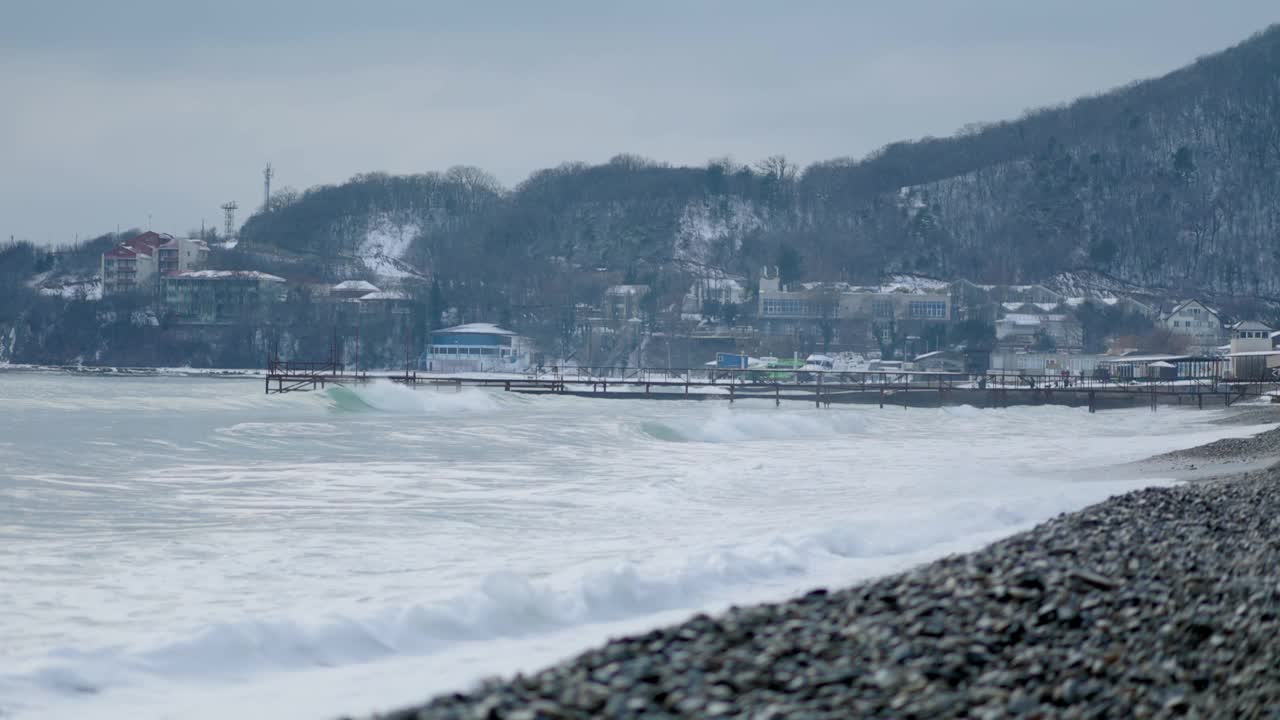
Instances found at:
x=187 y=547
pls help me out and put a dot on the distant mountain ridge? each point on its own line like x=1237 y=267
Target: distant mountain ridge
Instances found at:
x=1171 y=182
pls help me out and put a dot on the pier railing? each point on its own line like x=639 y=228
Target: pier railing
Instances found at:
x=885 y=386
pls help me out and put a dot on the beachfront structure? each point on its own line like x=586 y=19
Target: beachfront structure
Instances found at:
x=857 y=316
x=1043 y=363
x=476 y=347
x=1135 y=366
x=1198 y=324
x=1252 y=355
x=138 y=262
x=217 y=297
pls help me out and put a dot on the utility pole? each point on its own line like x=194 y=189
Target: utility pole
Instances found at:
x=266 y=188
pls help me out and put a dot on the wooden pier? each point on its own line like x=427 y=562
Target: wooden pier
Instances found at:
x=822 y=388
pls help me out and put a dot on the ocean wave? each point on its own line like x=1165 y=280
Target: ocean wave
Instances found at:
x=733 y=425
x=510 y=605
x=389 y=397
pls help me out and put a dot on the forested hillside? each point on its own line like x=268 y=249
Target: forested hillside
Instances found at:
x=1169 y=182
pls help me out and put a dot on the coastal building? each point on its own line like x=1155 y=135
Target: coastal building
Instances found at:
x=218 y=297
x=476 y=347
x=1043 y=363
x=712 y=290
x=125 y=269
x=1138 y=365
x=137 y=263
x=352 y=289
x=622 y=303
x=1029 y=329
x=1197 y=324
x=1252 y=355
x=385 y=302
x=176 y=255
x=856 y=317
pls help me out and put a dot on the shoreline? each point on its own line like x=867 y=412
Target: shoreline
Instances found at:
x=1161 y=601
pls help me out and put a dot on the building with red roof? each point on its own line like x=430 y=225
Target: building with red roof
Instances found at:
x=138 y=262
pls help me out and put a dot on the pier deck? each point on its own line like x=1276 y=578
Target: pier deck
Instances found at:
x=822 y=388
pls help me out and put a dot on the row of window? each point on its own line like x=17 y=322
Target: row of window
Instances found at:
x=927 y=309
x=789 y=307
x=473 y=351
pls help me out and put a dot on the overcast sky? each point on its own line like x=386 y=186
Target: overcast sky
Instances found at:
x=113 y=111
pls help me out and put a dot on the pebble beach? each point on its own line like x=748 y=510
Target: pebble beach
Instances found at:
x=1157 y=603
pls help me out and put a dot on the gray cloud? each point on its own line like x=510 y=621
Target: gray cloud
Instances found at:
x=117 y=110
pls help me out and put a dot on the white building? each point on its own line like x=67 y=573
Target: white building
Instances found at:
x=477 y=347
x=1194 y=321
x=720 y=289
x=1252 y=356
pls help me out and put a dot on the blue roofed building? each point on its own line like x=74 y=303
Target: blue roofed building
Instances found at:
x=476 y=347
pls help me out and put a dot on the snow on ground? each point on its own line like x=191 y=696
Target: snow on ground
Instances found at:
x=383 y=248
x=702 y=226
x=1092 y=284
x=915 y=284
x=87 y=288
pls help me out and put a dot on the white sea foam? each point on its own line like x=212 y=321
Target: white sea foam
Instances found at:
x=509 y=605
x=387 y=396
x=729 y=426
x=179 y=547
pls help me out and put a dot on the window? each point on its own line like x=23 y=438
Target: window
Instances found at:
x=882 y=308
x=927 y=309
x=788 y=307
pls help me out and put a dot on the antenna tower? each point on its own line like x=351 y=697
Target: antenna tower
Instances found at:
x=266 y=188
x=229 y=217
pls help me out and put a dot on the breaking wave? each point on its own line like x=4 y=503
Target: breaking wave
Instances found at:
x=388 y=397
x=508 y=605
x=728 y=426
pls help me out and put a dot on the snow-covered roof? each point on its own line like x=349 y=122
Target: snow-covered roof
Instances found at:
x=1254 y=353
x=628 y=289
x=1185 y=303
x=226 y=275
x=1161 y=364
x=1142 y=359
x=355 y=286
x=476 y=329
x=914 y=284
x=1021 y=319
x=385 y=295
x=1250 y=325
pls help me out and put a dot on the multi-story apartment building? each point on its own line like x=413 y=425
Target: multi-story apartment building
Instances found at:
x=136 y=263
x=221 y=296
